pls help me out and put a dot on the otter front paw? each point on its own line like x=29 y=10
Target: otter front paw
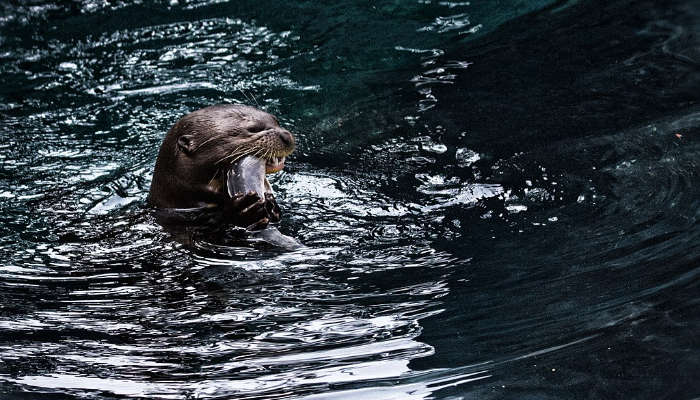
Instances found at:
x=273 y=210
x=248 y=210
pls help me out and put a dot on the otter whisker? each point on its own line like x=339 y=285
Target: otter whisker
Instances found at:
x=254 y=99
x=208 y=140
x=237 y=152
x=225 y=157
x=244 y=95
x=262 y=153
x=218 y=171
x=243 y=155
x=228 y=156
x=248 y=98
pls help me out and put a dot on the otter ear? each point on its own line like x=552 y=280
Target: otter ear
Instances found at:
x=185 y=143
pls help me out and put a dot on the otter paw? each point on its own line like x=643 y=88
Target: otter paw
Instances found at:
x=243 y=200
x=273 y=210
x=246 y=209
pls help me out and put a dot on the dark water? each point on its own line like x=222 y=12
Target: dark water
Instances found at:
x=499 y=199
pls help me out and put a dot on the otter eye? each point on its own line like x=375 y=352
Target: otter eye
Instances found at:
x=256 y=128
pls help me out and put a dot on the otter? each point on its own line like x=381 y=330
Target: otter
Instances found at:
x=198 y=154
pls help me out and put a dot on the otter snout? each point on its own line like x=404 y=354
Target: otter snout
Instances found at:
x=279 y=144
x=286 y=137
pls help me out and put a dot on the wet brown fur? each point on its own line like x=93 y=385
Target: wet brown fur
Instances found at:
x=202 y=144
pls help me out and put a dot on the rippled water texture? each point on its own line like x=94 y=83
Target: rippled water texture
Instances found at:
x=498 y=199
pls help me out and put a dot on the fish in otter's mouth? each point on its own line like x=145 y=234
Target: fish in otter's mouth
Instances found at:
x=247 y=174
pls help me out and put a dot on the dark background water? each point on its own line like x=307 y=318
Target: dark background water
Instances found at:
x=499 y=199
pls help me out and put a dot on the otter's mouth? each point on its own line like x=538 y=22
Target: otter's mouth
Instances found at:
x=274 y=164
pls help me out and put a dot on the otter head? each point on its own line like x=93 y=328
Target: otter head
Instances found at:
x=201 y=148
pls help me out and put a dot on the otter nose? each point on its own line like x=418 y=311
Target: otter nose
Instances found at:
x=286 y=137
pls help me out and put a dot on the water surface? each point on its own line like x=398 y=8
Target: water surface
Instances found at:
x=498 y=199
